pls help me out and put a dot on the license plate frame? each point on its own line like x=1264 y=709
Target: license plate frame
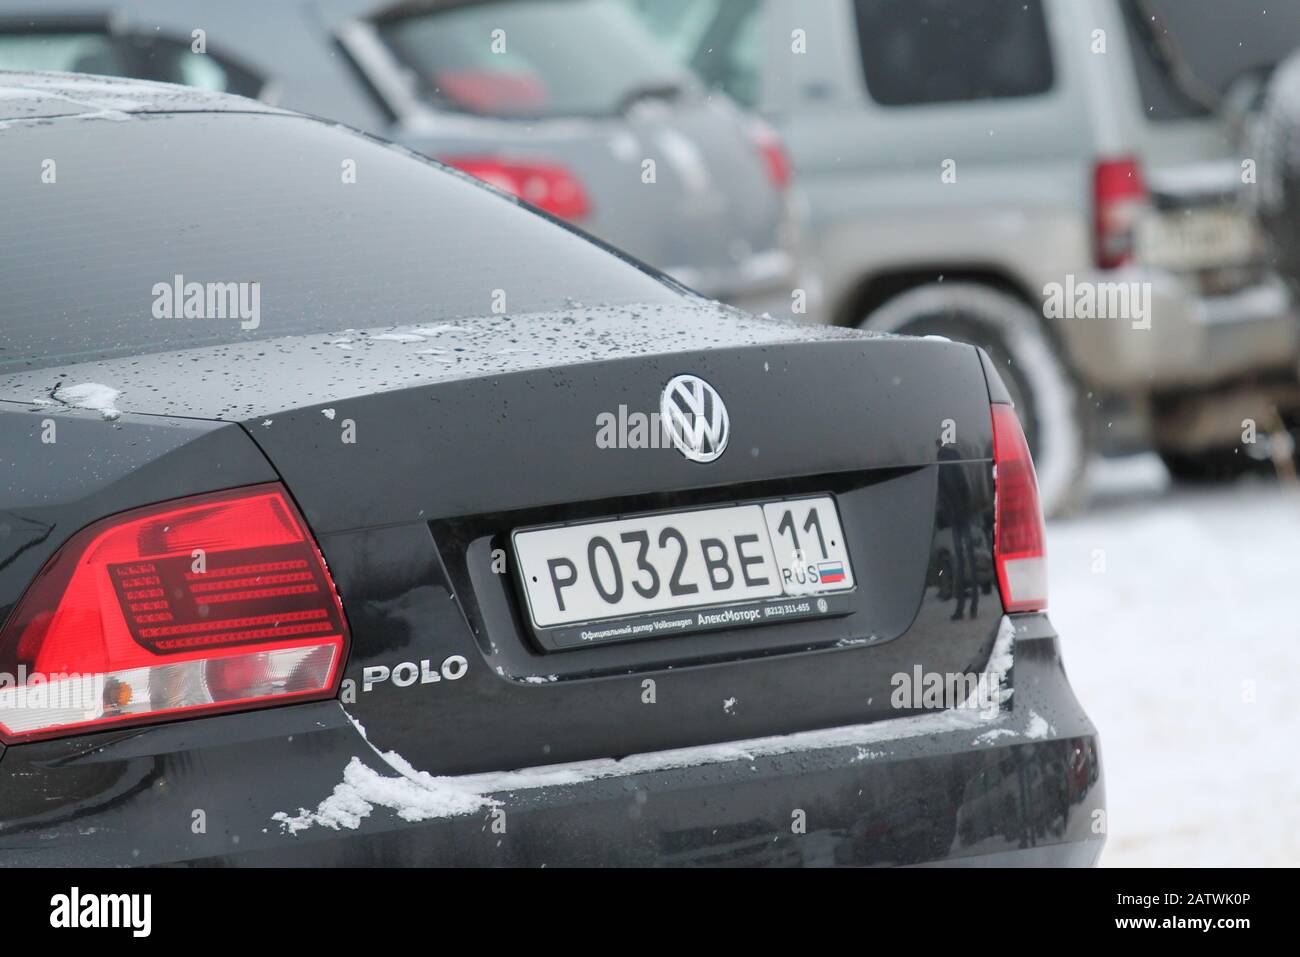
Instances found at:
x=793 y=589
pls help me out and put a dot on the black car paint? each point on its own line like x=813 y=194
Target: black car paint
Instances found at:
x=424 y=470
x=129 y=795
x=447 y=460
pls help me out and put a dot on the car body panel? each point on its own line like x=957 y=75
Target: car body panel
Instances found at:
x=414 y=560
x=1005 y=793
x=76 y=467
x=564 y=387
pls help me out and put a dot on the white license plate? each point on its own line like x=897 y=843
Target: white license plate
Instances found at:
x=665 y=562
x=1196 y=239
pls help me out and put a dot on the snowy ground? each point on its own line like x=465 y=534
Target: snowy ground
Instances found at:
x=1179 y=615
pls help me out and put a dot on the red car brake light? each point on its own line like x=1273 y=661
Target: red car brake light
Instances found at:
x=218 y=602
x=1119 y=199
x=548 y=186
x=1018 y=535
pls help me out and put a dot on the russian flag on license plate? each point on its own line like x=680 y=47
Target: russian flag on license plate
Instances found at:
x=831 y=572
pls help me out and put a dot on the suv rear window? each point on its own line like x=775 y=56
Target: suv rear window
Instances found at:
x=1164 y=97
x=950 y=51
x=1187 y=53
x=260 y=200
x=530 y=59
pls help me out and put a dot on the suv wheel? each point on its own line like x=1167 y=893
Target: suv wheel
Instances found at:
x=1051 y=404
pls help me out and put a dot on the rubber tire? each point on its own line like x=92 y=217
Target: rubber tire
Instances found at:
x=1052 y=406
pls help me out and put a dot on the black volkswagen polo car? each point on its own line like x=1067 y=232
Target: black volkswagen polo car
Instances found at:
x=353 y=513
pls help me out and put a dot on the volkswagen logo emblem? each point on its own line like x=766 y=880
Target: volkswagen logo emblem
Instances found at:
x=695 y=418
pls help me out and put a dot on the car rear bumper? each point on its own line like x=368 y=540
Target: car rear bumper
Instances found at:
x=1186 y=342
x=1022 y=786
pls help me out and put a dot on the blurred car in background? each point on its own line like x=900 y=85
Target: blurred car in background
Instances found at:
x=564 y=103
x=962 y=157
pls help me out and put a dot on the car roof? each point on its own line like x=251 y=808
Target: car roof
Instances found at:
x=31 y=96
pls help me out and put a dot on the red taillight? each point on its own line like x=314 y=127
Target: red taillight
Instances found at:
x=547 y=186
x=218 y=602
x=1119 y=200
x=775 y=159
x=1018 y=536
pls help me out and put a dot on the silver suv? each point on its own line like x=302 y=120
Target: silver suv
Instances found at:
x=1034 y=176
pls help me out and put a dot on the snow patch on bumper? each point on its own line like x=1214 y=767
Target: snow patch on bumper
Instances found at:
x=417 y=795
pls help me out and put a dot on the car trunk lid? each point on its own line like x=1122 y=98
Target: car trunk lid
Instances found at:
x=414 y=456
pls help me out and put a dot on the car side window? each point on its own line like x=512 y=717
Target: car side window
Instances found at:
x=152 y=57
x=951 y=51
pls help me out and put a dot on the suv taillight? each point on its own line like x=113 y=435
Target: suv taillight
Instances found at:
x=548 y=186
x=219 y=602
x=1119 y=200
x=1018 y=535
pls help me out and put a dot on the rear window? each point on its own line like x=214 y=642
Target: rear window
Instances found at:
x=531 y=58
x=950 y=51
x=1189 y=52
x=144 y=57
x=720 y=40
x=94 y=249
x=1156 y=58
